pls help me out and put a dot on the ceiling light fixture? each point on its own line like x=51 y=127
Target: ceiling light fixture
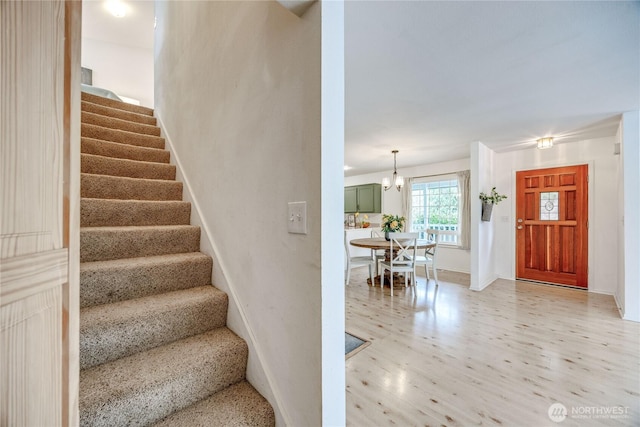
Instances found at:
x=117 y=8
x=544 y=143
x=397 y=180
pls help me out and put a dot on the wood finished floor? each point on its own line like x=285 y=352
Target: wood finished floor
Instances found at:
x=456 y=357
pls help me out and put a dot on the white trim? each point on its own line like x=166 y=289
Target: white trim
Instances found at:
x=234 y=299
x=482 y=286
x=618 y=306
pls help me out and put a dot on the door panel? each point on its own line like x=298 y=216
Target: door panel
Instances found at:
x=552 y=218
x=35 y=130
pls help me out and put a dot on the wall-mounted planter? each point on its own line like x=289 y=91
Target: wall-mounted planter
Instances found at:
x=487 y=208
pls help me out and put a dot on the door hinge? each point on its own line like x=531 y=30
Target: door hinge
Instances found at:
x=587 y=224
x=587 y=178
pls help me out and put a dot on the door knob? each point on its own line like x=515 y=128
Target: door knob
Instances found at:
x=519 y=219
x=520 y=227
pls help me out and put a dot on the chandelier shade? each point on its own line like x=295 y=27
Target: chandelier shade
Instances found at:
x=396 y=180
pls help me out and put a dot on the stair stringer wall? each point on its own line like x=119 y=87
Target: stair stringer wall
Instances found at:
x=257 y=373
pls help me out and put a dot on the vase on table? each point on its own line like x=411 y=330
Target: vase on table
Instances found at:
x=386 y=236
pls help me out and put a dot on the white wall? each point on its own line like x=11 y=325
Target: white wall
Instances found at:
x=452 y=259
x=238 y=91
x=631 y=221
x=484 y=242
x=619 y=295
x=125 y=70
x=603 y=204
x=334 y=411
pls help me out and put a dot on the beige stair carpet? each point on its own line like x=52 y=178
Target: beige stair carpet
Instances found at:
x=154 y=346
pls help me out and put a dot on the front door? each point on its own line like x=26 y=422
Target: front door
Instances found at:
x=551 y=225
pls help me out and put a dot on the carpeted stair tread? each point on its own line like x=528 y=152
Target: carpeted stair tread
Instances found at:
x=105 y=243
x=122 y=136
x=123 y=151
x=101 y=165
x=239 y=405
x=105 y=282
x=153 y=345
x=115 y=123
x=112 y=331
x=113 y=103
x=115 y=187
x=114 y=212
x=146 y=387
x=91 y=107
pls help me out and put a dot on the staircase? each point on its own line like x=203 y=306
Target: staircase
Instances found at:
x=154 y=348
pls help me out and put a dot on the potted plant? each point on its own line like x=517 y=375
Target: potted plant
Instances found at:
x=488 y=200
x=392 y=224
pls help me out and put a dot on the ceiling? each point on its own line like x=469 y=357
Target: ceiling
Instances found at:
x=430 y=77
x=134 y=29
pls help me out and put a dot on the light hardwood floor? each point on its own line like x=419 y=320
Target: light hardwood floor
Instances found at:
x=503 y=356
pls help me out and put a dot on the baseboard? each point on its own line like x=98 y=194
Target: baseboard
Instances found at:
x=484 y=283
x=618 y=305
x=208 y=241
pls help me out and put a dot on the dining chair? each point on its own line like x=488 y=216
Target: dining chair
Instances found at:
x=357 y=261
x=428 y=258
x=402 y=249
x=378 y=254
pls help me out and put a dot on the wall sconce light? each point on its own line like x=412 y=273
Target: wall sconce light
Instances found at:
x=544 y=143
x=398 y=181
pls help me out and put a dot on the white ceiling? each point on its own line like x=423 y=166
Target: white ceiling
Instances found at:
x=430 y=77
x=134 y=29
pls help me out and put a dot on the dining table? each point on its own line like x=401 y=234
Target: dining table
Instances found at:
x=380 y=243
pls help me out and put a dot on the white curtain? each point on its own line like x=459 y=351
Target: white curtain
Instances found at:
x=465 y=209
x=406 y=202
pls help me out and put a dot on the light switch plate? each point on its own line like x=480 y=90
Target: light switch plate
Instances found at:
x=297 y=217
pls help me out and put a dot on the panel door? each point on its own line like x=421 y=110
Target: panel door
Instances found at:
x=366 y=198
x=350 y=199
x=551 y=225
x=37 y=79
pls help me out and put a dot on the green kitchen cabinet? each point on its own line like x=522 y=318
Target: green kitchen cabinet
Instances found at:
x=363 y=198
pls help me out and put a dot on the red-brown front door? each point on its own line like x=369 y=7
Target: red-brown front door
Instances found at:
x=551 y=225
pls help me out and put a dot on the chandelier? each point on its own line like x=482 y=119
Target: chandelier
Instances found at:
x=396 y=180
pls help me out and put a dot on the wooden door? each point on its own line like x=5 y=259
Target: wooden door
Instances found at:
x=551 y=225
x=39 y=194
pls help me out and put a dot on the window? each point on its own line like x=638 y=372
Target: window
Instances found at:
x=549 y=206
x=435 y=203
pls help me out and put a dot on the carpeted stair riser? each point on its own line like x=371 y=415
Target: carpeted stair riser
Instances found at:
x=113 y=187
x=123 y=151
x=109 y=332
x=237 y=405
x=114 y=123
x=121 y=136
x=103 y=110
x=101 y=165
x=146 y=387
x=105 y=243
x=113 y=212
x=152 y=338
x=106 y=282
x=100 y=100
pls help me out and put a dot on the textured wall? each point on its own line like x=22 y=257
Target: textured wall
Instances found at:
x=237 y=88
